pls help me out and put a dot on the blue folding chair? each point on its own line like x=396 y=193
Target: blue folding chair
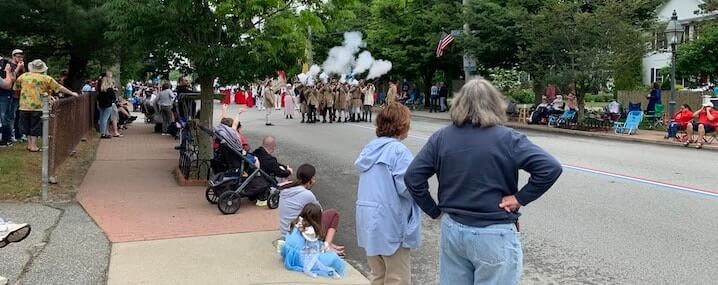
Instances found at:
x=630 y=126
x=634 y=107
x=564 y=119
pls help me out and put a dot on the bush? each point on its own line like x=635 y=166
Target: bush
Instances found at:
x=522 y=96
x=600 y=98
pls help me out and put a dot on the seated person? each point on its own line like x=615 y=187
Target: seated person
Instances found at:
x=707 y=122
x=303 y=249
x=540 y=113
x=680 y=121
x=613 y=110
x=572 y=102
x=557 y=106
x=295 y=196
x=269 y=163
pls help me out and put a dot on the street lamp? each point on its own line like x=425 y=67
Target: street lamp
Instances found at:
x=674 y=35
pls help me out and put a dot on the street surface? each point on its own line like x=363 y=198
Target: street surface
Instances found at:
x=622 y=213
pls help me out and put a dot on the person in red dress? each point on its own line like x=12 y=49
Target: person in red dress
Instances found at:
x=226 y=96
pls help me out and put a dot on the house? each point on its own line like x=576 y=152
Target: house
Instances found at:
x=690 y=16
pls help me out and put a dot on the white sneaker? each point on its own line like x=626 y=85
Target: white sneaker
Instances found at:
x=12 y=232
x=261 y=203
x=3 y=280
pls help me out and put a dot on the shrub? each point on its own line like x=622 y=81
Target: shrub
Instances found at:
x=522 y=96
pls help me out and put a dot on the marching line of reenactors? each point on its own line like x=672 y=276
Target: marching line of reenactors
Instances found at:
x=336 y=102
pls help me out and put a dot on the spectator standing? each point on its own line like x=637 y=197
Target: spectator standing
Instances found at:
x=105 y=100
x=10 y=69
x=87 y=87
x=434 y=99
x=478 y=188
x=388 y=220
x=443 y=97
x=654 y=98
x=31 y=87
x=164 y=101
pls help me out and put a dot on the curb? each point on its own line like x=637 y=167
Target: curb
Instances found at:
x=181 y=181
x=601 y=135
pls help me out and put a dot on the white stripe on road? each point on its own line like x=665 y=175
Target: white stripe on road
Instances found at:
x=646 y=181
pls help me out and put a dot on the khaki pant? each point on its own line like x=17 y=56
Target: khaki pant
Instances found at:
x=391 y=270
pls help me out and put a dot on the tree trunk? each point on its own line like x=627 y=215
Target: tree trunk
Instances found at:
x=580 y=96
x=206 y=114
x=76 y=67
x=538 y=88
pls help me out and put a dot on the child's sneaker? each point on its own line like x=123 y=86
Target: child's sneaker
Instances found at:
x=261 y=203
x=12 y=232
x=3 y=280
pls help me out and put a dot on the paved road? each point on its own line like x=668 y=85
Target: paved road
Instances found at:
x=591 y=228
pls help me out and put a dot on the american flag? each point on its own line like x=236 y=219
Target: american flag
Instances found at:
x=444 y=42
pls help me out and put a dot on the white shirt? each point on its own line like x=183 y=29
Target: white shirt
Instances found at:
x=614 y=107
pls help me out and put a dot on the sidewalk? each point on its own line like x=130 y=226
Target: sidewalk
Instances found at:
x=643 y=136
x=162 y=233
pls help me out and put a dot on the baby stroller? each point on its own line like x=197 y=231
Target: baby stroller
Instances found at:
x=242 y=179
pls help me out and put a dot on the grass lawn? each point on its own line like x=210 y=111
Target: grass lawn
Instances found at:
x=20 y=171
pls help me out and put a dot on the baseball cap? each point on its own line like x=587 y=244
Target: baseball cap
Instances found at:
x=708 y=104
x=16 y=51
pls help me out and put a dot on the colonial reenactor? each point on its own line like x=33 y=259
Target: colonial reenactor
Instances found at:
x=313 y=102
x=356 y=103
x=269 y=101
x=328 y=95
x=342 y=103
x=300 y=91
x=322 y=101
x=368 y=91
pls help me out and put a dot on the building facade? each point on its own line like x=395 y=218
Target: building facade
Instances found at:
x=659 y=56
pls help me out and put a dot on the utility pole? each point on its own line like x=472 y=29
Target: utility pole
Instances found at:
x=310 y=53
x=469 y=63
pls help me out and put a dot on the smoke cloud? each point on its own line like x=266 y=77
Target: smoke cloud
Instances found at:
x=353 y=41
x=363 y=62
x=379 y=68
x=324 y=77
x=302 y=78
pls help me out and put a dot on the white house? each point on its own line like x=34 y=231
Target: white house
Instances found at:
x=660 y=55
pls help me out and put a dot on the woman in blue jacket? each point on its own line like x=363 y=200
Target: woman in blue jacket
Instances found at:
x=387 y=218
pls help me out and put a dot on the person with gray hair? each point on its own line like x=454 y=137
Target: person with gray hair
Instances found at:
x=477 y=161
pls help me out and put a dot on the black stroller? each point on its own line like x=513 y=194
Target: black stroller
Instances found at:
x=239 y=177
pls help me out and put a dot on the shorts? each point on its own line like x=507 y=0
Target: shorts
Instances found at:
x=709 y=128
x=115 y=115
x=31 y=123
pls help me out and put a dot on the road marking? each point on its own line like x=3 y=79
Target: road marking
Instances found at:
x=659 y=184
x=640 y=180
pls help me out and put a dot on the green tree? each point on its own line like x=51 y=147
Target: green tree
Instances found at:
x=222 y=39
x=68 y=31
x=582 y=45
x=699 y=57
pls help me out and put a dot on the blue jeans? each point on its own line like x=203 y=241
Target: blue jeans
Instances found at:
x=7 y=117
x=104 y=119
x=471 y=255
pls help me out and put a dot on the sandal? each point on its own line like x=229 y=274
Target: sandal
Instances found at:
x=118 y=136
x=699 y=146
x=687 y=143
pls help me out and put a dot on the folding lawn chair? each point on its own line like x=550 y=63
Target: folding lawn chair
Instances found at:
x=630 y=126
x=655 y=119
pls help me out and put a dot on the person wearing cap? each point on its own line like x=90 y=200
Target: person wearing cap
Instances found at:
x=707 y=122
x=31 y=87
x=10 y=69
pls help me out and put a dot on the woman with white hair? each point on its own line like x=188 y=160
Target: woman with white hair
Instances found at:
x=477 y=161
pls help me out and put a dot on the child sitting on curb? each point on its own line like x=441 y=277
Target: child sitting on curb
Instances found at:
x=304 y=249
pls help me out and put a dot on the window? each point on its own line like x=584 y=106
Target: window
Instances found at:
x=658 y=76
x=686 y=34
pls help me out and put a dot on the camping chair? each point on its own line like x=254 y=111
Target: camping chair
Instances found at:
x=630 y=126
x=564 y=119
x=656 y=118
